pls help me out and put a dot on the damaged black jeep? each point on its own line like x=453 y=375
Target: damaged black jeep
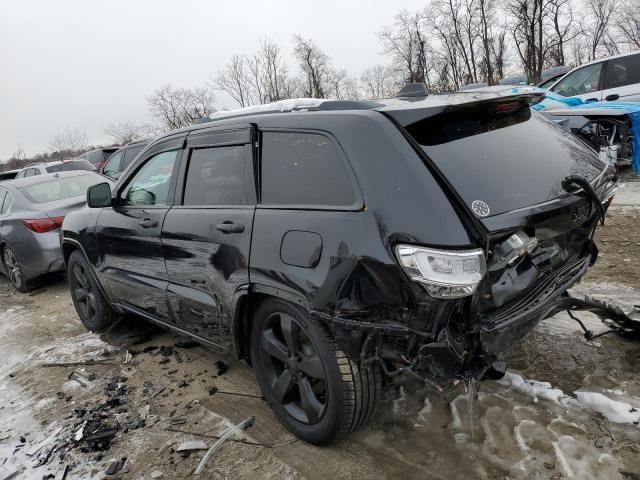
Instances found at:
x=333 y=244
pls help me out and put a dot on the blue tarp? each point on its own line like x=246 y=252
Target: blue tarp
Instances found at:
x=553 y=100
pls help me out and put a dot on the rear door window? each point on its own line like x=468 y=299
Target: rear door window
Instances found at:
x=216 y=176
x=60 y=188
x=304 y=169
x=622 y=71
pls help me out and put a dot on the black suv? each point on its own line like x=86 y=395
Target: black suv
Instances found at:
x=333 y=244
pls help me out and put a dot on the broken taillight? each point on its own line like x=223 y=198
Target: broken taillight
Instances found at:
x=444 y=273
x=43 y=225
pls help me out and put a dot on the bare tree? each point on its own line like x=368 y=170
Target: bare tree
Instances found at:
x=315 y=66
x=180 y=107
x=628 y=23
x=379 y=81
x=68 y=142
x=261 y=78
x=234 y=79
x=404 y=42
x=597 y=27
x=125 y=132
x=529 y=36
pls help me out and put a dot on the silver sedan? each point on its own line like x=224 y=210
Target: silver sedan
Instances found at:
x=31 y=212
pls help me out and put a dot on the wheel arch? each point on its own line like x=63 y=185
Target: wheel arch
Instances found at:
x=246 y=303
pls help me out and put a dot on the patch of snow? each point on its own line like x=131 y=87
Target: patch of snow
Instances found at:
x=612 y=410
x=531 y=388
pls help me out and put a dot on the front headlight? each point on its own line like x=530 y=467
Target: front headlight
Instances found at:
x=445 y=274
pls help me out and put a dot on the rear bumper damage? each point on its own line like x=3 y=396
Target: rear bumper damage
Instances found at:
x=455 y=351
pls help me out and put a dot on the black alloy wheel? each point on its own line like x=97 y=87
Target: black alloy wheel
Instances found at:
x=316 y=391
x=91 y=306
x=83 y=293
x=293 y=368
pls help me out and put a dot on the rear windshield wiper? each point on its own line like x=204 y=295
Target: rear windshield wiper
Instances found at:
x=582 y=182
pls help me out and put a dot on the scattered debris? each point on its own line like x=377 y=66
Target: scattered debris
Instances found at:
x=82 y=376
x=77 y=364
x=127 y=357
x=183 y=383
x=186 y=344
x=244 y=425
x=166 y=350
x=212 y=391
x=222 y=367
x=177 y=420
x=159 y=392
x=116 y=466
x=192 y=445
x=156 y=474
x=164 y=360
x=13 y=474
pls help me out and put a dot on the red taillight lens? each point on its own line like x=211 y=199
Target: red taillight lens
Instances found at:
x=43 y=225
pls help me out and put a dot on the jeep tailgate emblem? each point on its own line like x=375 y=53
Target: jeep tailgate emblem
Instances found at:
x=480 y=208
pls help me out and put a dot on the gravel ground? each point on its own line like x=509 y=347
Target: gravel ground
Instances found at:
x=581 y=423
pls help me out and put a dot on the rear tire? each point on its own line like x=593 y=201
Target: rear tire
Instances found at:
x=91 y=306
x=14 y=271
x=315 y=391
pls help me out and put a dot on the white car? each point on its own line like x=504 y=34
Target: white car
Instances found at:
x=613 y=79
x=56 y=166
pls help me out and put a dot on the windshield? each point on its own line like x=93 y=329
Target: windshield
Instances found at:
x=60 y=188
x=506 y=160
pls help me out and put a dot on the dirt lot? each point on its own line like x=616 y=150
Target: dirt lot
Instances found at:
x=163 y=397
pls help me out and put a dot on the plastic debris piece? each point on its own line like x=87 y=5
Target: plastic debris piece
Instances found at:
x=244 y=425
x=222 y=367
x=156 y=474
x=116 y=466
x=192 y=445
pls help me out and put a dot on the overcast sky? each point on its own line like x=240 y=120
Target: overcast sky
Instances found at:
x=88 y=63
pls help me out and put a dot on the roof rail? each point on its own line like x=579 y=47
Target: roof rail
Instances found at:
x=291 y=105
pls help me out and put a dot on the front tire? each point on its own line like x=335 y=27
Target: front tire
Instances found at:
x=91 y=306
x=311 y=385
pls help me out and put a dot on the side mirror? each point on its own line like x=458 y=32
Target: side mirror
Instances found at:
x=99 y=196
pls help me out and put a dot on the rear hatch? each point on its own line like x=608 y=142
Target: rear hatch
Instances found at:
x=506 y=167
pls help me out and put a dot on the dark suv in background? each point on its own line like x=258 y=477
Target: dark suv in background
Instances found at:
x=122 y=158
x=333 y=244
x=98 y=156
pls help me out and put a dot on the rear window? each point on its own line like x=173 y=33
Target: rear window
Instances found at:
x=60 y=188
x=71 y=165
x=304 y=169
x=507 y=160
x=130 y=154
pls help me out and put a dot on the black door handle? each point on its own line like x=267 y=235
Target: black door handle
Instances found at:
x=589 y=100
x=611 y=98
x=228 y=227
x=148 y=223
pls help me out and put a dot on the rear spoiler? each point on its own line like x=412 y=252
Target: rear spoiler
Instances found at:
x=406 y=111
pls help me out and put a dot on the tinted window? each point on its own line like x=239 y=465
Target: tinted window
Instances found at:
x=216 y=177
x=59 y=188
x=3 y=193
x=509 y=160
x=22 y=173
x=304 y=169
x=112 y=166
x=622 y=71
x=150 y=185
x=583 y=80
x=8 y=203
x=78 y=165
x=129 y=155
x=54 y=168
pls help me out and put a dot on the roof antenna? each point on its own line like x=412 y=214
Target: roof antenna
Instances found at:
x=413 y=90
